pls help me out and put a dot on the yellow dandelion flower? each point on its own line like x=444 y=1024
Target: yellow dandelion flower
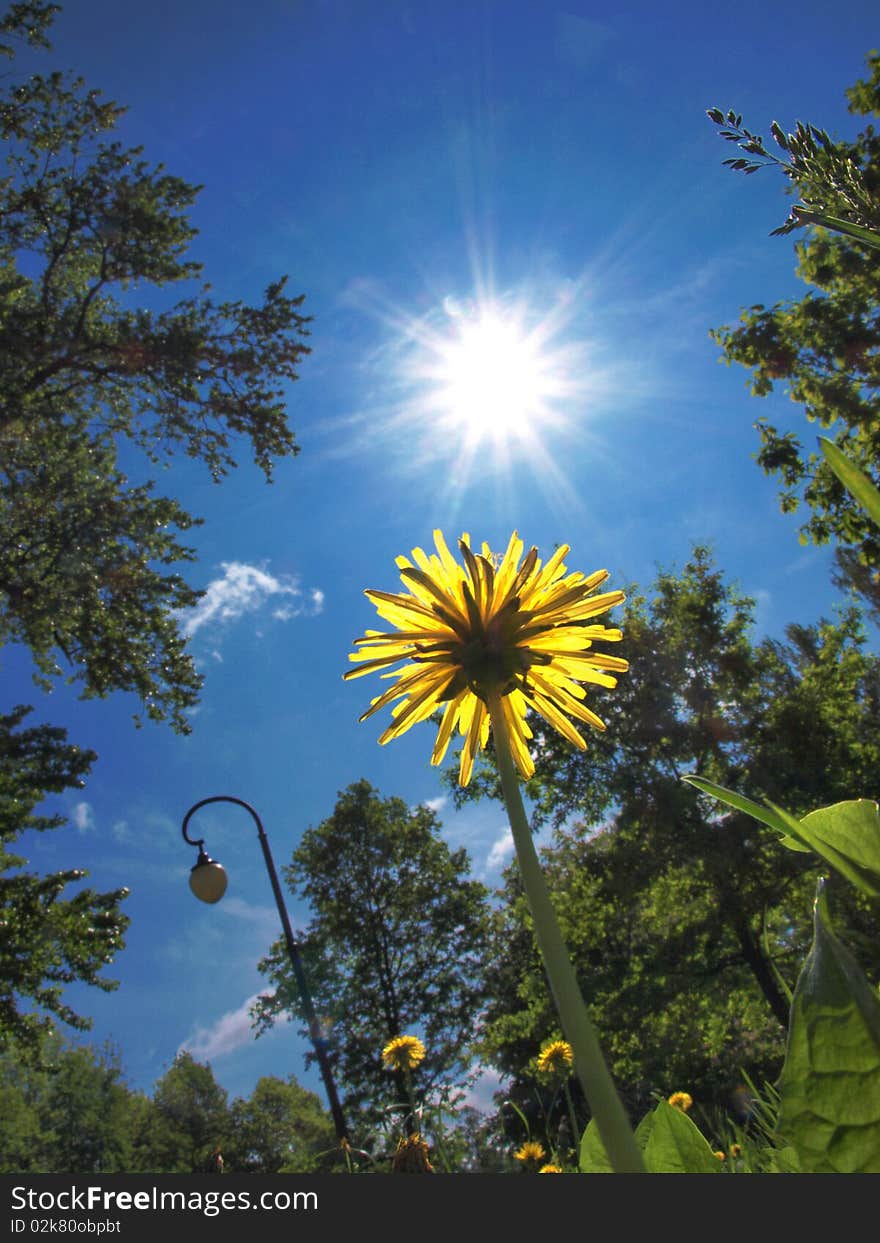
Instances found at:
x=556 y=1058
x=403 y=1053
x=681 y=1100
x=509 y=627
x=735 y=1150
x=721 y=1156
x=530 y=1152
x=550 y=1168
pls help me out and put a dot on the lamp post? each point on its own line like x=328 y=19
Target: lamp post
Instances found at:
x=208 y=882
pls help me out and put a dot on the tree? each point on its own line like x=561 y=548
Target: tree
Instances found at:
x=280 y=1129
x=87 y=368
x=188 y=1118
x=71 y=1114
x=46 y=941
x=395 y=947
x=825 y=348
x=688 y=924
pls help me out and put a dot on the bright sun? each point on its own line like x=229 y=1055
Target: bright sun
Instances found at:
x=491 y=378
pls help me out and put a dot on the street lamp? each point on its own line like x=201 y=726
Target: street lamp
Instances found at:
x=208 y=882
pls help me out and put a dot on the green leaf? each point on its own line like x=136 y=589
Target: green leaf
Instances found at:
x=671 y=1144
x=806 y=215
x=593 y=1157
x=767 y=815
x=851 y=477
x=846 y=835
x=830 y=1083
x=676 y=1146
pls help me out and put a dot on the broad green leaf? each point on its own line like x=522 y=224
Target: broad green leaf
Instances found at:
x=676 y=1146
x=671 y=1144
x=593 y=1158
x=830 y=1083
x=851 y=477
x=784 y=1161
x=846 y=835
x=766 y=815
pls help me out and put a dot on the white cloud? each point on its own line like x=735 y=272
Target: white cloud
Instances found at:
x=434 y=804
x=231 y=1031
x=501 y=851
x=121 y=831
x=83 y=818
x=481 y=1093
x=244 y=589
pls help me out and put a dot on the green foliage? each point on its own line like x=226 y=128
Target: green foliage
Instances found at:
x=280 y=1129
x=85 y=227
x=826 y=347
x=188 y=1118
x=396 y=944
x=837 y=191
x=830 y=1084
x=71 y=1113
x=46 y=941
x=670 y=1144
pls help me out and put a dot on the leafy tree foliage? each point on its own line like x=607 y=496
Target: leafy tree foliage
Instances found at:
x=87 y=367
x=46 y=940
x=396 y=945
x=71 y=1114
x=687 y=926
x=824 y=348
x=187 y=1119
x=280 y=1129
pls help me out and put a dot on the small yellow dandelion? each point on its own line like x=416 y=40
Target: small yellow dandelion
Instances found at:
x=681 y=1100
x=735 y=1150
x=721 y=1156
x=556 y=1058
x=403 y=1053
x=508 y=629
x=550 y=1168
x=530 y=1153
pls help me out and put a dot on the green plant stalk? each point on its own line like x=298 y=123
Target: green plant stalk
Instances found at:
x=599 y=1090
x=572 y=1119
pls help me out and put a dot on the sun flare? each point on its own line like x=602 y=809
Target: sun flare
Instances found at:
x=491 y=377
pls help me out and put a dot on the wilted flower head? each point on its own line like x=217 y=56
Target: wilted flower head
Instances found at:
x=681 y=1100
x=403 y=1053
x=411 y=1157
x=504 y=626
x=556 y=1058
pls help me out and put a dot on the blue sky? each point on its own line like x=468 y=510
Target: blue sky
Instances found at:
x=415 y=168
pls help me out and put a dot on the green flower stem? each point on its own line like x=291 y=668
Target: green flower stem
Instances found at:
x=572 y=1120
x=599 y=1090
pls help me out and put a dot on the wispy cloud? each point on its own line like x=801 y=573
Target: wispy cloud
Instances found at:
x=83 y=818
x=245 y=589
x=231 y=1031
x=501 y=850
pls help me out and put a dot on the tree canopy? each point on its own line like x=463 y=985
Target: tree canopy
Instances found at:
x=825 y=347
x=87 y=229
x=46 y=940
x=396 y=944
x=97 y=367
